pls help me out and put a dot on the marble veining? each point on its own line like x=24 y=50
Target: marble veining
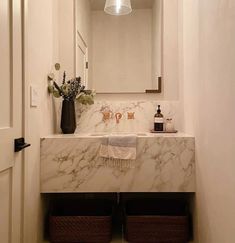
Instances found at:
x=89 y=118
x=72 y=164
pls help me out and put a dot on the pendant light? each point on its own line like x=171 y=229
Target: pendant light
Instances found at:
x=118 y=7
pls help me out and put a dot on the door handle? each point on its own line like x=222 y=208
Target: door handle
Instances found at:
x=20 y=144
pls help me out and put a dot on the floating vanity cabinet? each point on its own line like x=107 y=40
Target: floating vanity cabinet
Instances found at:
x=71 y=163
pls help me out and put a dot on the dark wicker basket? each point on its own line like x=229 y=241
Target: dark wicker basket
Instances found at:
x=151 y=221
x=81 y=222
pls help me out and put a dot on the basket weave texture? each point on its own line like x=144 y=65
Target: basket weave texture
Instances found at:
x=71 y=229
x=81 y=222
x=156 y=221
x=157 y=229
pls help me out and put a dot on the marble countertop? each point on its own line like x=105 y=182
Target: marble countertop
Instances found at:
x=71 y=163
x=100 y=134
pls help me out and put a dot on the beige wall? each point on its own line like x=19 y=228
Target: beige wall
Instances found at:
x=41 y=54
x=209 y=112
x=66 y=36
x=122 y=52
x=83 y=18
x=170 y=50
x=156 y=42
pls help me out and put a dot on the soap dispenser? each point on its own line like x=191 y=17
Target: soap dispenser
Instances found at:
x=158 y=120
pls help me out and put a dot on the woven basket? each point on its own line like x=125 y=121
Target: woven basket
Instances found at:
x=158 y=227
x=80 y=228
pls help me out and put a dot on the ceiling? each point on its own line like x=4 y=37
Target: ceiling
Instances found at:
x=136 y=4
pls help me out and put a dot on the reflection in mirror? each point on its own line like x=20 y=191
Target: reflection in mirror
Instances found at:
x=113 y=54
x=125 y=50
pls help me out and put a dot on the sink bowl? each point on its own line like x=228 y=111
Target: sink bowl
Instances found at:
x=98 y=134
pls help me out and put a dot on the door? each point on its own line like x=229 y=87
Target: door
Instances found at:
x=11 y=164
x=81 y=59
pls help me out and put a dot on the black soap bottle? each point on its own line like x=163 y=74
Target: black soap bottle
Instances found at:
x=158 y=120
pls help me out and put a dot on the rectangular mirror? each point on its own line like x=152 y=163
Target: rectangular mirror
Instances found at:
x=119 y=54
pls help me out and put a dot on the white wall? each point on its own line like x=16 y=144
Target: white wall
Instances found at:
x=209 y=98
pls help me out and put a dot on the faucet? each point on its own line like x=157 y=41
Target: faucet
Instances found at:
x=106 y=116
x=118 y=116
x=130 y=115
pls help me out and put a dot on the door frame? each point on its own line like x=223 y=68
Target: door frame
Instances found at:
x=25 y=114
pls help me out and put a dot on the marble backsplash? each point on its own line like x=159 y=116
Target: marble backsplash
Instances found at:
x=90 y=118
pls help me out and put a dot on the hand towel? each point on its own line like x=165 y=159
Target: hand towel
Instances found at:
x=119 y=147
x=104 y=147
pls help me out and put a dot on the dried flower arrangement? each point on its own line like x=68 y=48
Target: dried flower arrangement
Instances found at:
x=70 y=90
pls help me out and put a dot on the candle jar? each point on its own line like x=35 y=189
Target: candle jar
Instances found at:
x=169 y=125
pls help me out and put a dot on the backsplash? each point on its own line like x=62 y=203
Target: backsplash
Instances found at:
x=90 y=118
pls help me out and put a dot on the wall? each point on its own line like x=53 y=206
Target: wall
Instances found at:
x=66 y=37
x=122 y=53
x=209 y=113
x=41 y=52
x=65 y=18
x=83 y=19
x=90 y=118
x=156 y=41
x=170 y=56
x=188 y=34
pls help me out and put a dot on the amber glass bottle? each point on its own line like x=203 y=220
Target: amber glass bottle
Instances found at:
x=158 y=120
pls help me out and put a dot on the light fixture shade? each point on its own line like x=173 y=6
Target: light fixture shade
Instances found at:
x=118 y=7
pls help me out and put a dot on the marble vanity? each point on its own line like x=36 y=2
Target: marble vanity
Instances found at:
x=71 y=163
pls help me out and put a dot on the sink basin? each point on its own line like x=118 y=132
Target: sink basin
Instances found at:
x=97 y=134
x=117 y=133
x=142 y=134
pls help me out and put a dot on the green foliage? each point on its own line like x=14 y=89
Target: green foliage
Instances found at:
x=71 y=90
x=85 y=98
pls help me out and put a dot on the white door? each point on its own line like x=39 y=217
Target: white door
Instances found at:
x=11 y=107
x=81 y=59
